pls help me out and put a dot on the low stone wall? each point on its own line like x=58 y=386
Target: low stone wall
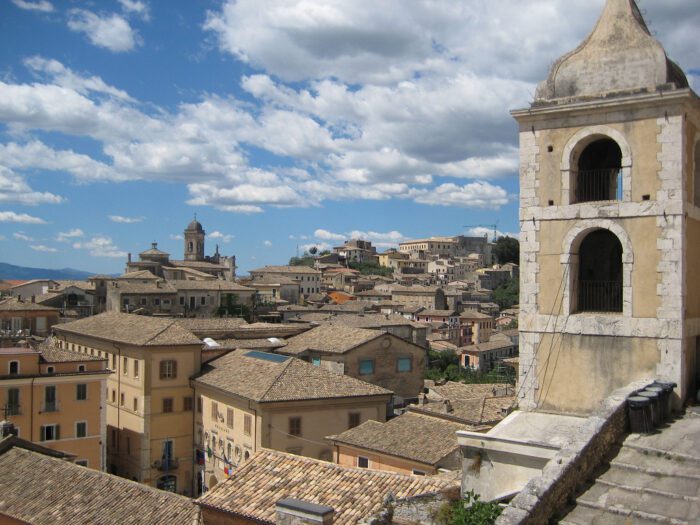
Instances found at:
x=545 y=496
x=418 y=510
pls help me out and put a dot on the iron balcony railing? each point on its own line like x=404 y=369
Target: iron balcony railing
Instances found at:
x=50 y=406
x=166 y=464
x=598 y=185
x=12 y=409
x=600 y=296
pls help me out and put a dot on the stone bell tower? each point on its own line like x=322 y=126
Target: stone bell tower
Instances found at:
x=194 y=241
x=609 y=221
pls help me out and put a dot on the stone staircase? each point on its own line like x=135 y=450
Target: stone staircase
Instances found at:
x=652 y=479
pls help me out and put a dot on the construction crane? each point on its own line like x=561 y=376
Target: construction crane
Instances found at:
x=490 y=226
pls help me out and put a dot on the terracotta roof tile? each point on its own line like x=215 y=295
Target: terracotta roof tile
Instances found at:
x=131 y=329
x=336 y=339
x=15 y=305
x=354 y=493
x=412 y=436
x=265 y=377
x=42 y=490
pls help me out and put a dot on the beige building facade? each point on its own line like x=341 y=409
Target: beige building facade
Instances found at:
x=149 y=400
x=610 y=221
x=248 y=400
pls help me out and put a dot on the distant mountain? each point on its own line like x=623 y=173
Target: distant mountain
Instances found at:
x=10 y=271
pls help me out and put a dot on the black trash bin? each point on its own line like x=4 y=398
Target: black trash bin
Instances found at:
x=665 y=414
x=668 y=387
x=639 y=409
x=655 y=401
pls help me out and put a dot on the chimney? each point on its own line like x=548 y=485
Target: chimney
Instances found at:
x=128 y=257
x=421 y=399
x=446 y=406
x=154 y=245
x=7 y=429
x=297 y=512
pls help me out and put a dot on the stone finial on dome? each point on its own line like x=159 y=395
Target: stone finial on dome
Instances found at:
x=619 y=56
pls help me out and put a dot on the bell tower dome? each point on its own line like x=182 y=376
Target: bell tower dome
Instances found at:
x=194 y=241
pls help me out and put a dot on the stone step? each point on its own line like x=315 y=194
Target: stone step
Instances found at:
x=611 y=496
x=583 y=515
x=665 y=464
x=640 y=479
x=675 y=455
x=634 y=516
x=614 y=496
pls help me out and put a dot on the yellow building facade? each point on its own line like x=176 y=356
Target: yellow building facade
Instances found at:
x=149 y=400
x=248 y=400
x=56 y=398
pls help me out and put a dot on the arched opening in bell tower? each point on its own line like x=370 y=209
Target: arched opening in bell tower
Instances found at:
x=599 y=172
x=600 y=273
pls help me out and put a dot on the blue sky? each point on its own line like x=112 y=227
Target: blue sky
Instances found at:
x=282 y=124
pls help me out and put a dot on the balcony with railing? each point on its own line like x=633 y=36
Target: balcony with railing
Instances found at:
x=600 y=296
x=12 y=409
x=50 y=406
x=166 y=464
x=603 y=184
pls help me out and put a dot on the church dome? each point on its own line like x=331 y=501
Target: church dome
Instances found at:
x=195 y=226
x=620 y=56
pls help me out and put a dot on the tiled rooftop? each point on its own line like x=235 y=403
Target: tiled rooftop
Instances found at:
x=43 y=490
x=264 y=377
x=287 y=269
x=153 y=287
x=335 y=339
x=252 y=491
x=15 y=305
x=413 y=436
x=50 y=353
x=477 y=412
x=131 y=329
x=224 y=286
x=138 y=274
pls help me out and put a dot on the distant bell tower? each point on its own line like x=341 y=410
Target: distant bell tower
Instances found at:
x=194 y=241
x=609 y=221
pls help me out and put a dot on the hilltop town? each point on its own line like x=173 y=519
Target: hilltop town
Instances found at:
x=547 y=379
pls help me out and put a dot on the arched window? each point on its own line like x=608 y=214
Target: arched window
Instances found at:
x=190 y=246
x=13 y=367
x=600 y=273
x=599 y=172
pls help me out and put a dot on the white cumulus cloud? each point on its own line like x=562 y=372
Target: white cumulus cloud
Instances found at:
x=101 y=246
x=75 y=233
x=136 y=7
x=125 y=220
x=22 y=237
x=223 y=237
x=267 y=243
x=110 y=31
x=11 y=216
x=40 y=5
x=42 y=248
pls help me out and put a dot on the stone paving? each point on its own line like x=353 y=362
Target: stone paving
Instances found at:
x=651 y=479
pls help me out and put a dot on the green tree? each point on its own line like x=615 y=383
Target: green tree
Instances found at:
x=507 y=250
x=305 y=260
x=371 y=269
x=507 y=294
x=313 y=250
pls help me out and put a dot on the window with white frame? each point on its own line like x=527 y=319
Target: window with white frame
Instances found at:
x=49 y=433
